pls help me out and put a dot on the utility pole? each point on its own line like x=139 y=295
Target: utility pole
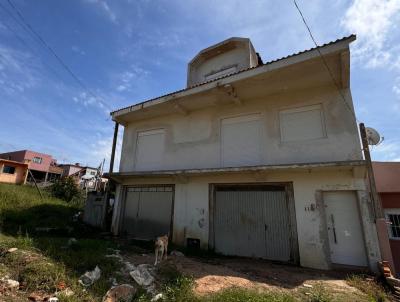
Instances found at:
x=380 y=221
x=113 y=148
x=371 y=178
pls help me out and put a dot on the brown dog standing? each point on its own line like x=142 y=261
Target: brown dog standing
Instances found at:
x=161 y=248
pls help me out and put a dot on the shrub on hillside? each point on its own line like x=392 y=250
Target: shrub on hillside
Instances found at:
x=66 y=189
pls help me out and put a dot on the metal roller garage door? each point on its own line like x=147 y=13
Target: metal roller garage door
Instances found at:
x=148 y=211
x=254 y=221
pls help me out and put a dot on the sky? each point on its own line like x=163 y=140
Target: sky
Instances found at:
x=117 y=53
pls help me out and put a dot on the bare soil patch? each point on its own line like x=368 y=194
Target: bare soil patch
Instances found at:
x=216 y=274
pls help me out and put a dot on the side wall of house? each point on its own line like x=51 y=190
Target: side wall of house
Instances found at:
x=192 y=197
x=198 y=134
x=18 y=177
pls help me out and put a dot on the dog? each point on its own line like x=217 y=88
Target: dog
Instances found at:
x=161 y=248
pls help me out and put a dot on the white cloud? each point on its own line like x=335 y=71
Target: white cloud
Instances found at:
x=103 y=5
x=128 y=79
x=373 y=21
x=101 y=149
x=388 y=151
x=78 y=50
x=18 y=70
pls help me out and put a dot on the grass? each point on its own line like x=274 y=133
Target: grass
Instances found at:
x=374 y=291
x=43 y=261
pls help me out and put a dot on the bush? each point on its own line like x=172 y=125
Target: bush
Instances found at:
x=66 y=189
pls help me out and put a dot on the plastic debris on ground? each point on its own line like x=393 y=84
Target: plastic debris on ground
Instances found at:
x=90 y=277
x=12 y=250
x=123 y=292
x=177 y=254
x=157 y=297
x=142 y=275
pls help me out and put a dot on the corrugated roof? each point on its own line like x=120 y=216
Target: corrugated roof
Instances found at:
x=237 y=72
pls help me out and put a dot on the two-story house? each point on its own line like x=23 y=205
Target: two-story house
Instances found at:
x=43 y=167
x=251 y=159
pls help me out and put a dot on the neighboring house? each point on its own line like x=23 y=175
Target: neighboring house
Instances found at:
x=251 y=159
x=13 y=172
x=42 y=166
x=387 y=177
x=86 y=177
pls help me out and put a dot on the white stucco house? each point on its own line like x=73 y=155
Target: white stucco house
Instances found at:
x=251 y=159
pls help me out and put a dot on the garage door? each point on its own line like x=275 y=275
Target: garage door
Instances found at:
x=148 y=211
x=254 y=221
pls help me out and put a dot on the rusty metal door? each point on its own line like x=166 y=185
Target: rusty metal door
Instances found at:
x=252 y=221
x=148 y=211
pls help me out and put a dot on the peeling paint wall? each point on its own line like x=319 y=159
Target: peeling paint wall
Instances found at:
x=197 y=135
x=191 y=209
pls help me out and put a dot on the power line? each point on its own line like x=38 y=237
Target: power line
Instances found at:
x=23 y=42
x=325 y=63
x=43 y=43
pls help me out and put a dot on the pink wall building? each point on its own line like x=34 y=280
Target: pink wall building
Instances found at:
x=42 y=166
x=387 y=177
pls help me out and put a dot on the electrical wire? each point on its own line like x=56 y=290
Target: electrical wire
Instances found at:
x=44 y=44
x=325 y=63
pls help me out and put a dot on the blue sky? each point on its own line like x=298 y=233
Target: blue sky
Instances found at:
x=130 y=50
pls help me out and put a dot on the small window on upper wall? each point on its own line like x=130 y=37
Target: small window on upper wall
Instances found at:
x=302 y=123
x=37 y=160
x=9 y=169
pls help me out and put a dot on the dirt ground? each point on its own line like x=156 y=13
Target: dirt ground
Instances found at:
x=213 y=275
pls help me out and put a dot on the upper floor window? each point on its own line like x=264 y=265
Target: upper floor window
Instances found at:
x=241 y=141
x=302 y=123
x=37 y=160
x=393 y=216
x=150 y=150
x=92 y=172
x=220 y=73
x=9 y=169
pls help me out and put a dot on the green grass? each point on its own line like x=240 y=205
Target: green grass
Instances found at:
x=43 y=260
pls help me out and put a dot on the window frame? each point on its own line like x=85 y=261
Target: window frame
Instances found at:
x=12 y=168
x=37 y=160
x=299 y=109
x=392 y=211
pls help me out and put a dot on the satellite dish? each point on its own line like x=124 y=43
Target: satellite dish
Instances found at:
x=373 y=136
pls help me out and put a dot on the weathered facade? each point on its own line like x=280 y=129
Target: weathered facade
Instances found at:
x=252 y=159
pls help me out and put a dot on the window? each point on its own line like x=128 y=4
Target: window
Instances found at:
x=150 y=150
x=220 y=73
x=393 y=217
x=302 y=123
x=37 y=160
x=241 y=141
x=92 y=173
x=9 y=169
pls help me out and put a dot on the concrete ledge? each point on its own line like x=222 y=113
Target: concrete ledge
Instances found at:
x=351 y=165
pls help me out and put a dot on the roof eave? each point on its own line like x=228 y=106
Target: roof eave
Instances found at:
x=326 y=49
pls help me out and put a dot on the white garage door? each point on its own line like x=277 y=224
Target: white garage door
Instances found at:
x=148 y=212
x=253 y=221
